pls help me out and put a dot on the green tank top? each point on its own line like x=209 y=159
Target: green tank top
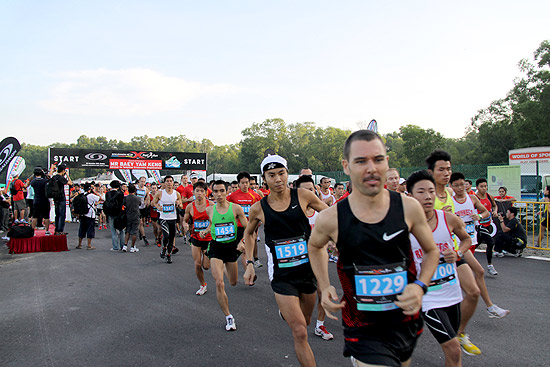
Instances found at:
x=224 y=226
x=449 y=202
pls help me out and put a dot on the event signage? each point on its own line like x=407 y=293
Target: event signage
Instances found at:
x=127 y=159
x=9 y=147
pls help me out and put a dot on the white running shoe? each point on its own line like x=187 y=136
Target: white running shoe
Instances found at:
x=499 y=254
x=491 y=270
x=134 y=249
x=230 y=324
x=323 y=333
x=202 y=290
x=257 y=263
x=496 y=312
x=124 y=248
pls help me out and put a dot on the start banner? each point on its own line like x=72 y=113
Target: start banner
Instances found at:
x=126 y=159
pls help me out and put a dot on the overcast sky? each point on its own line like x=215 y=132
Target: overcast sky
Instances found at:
x=208 y=69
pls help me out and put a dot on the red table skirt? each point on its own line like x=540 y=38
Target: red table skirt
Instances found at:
x=38 y=244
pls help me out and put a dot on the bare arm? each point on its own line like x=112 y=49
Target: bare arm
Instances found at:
x=325 y=230
x=483 y=212
x=156 y=200
x=456 y=225
x=255 y=216
x=187 y=216
x=209 y=211
x=312 y=200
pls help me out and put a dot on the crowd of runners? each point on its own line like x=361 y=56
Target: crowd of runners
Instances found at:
x=404 y=249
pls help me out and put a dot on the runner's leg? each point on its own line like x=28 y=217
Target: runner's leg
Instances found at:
x=217 y=273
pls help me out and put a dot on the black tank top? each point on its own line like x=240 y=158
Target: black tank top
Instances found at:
x=286 y=236
x=363 y=244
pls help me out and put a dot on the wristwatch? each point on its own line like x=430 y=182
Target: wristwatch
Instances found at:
x=422 y=285
x=460 y=254
x=249 y=262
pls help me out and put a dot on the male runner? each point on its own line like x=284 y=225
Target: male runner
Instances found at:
x=142 y=192
x=382 y=293
x=225 y=247
x=339 y=191
x=255 y=187
x=439 y=165
x=392 y=179
x=468 y=187
x=287 y=232
x=306 y=182
x=166 y=201
x=196 y=213
x=325 y=193
x=441 y=305
x=154 y=213
x=467 y=208
x=483 y=234
x=245 y=198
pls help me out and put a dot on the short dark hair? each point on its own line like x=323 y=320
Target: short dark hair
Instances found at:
x=456 y=176
x=513 y=210
x=87 y=186
x=480 y=180
x=232 y=182
x=325 y=178
x=167 y=177
x=253 y=178
x=437 y=155
x=503 y=188
x=242 y=175
x=200 y=184
x=418 y=176
x=154 y=184
x=200 y=179
x=339 y=184
x=62 y=167
x=366 y=135
x=220 y=182
x=469 y=181
x=303 y=179
x=131 y=188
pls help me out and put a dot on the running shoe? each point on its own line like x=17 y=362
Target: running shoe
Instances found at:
x=47 y=233
x=281 y=315
x=163 y=253
x=323 y=333
x=202 y=290
x=145 y=241
x=134 y=249
x=168 y=259
x=518 y=253
x=491 y=270
x=496 y=312
x=257 y=263
x=175 y=250
x=124 y=248
x=158 y=242
x=333 y=258
x=499 y=254
x=230 y=324
x=467 y=346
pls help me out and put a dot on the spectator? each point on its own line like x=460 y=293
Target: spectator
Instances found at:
x=392 y=179
x=61 y=178
x=18 y=197
x=116 y=196
x=41 y=203
x=86 y=228
x=131 y=203
x=544 y=217
x=4 y=213
x=502 y=192
x=402 y=188
x=512 y=239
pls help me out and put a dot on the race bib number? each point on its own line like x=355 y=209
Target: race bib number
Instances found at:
x=225 y=232
x=445 y=273
x=168 y=208
x=200 y=225
x=246 y=209
x=291 y=252
x=377 y=287
x=471 y=229
x=141 y=193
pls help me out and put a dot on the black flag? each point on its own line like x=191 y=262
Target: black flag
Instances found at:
x=9 y=148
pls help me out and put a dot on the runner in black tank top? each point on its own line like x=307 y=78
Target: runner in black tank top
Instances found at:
x=287 y=231
x=382 y=295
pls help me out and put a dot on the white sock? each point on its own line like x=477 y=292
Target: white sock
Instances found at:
x=319 y=323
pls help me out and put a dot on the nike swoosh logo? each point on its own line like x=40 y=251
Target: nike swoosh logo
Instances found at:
x=385 y=237
x=294 y=207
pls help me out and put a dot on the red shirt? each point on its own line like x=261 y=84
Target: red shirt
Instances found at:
x=186 y=193
x=200 y=222
x=487 y=204
x=346 y=194
x=19 y=185
x=152 y=210
x=265 y=192
x=504 y=198
x=244 y=199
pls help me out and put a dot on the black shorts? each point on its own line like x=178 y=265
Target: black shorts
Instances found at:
x=41 y=210
x=443 y=322
x=240 y=233
x=226 y=252
x=197 y=243
x=86 y=228
x=460 y=262
x=295 y=286
x=154 y=219
x=387 y=345
x=180 y=212
x=144 y=213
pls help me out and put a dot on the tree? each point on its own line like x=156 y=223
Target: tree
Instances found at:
x=418 y=143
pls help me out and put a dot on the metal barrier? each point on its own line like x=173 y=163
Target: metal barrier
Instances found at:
x=534 y=216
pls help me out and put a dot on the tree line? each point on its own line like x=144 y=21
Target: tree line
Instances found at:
x=520 y=119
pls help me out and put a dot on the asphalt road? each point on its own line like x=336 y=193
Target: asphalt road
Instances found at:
x=101 y=308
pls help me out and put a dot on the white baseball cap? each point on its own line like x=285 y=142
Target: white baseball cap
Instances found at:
x=273 y=161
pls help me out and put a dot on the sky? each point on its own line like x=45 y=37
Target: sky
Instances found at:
x=209 y=69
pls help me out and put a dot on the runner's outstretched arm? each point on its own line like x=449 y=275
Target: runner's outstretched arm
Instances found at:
x=254 y=218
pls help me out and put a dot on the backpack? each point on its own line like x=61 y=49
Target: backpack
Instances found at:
x=13 y=190
x=52 y=189
x=80 y=204
x=120 y=220
x=111 y=206
x=21 y=230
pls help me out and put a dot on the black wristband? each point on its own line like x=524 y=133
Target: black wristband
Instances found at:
x=249 y=262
